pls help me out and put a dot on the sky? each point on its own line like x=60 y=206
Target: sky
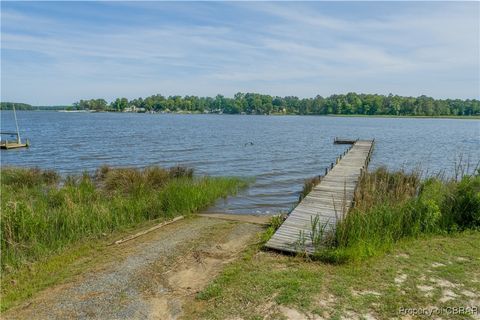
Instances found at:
x=56 y=53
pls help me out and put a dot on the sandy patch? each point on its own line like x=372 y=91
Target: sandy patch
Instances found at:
x=349 y=315
x=424 y=288
x=365 y=293
x=428 y=290
x=437 y=265
x=326 y=302
x=399 y=279
x=165 y=309
x=195 y=270
x=294 y=314
x=195 y=277
x=469 y=294
x=267 y=309
x=192 y=272
x=369 y=316
x=447 y=295
x=443 y=283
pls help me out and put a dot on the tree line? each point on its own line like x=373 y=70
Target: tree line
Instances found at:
x=254 y=103
x=18 y=106
x=26 y=106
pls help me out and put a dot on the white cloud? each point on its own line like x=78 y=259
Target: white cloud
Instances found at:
x=293 y=50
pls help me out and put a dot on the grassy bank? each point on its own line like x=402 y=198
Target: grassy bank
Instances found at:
x=391 y=206
x=43 y=213
x=407 y=243
x=428 y=273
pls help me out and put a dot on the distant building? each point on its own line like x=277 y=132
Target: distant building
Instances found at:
x=134 y=108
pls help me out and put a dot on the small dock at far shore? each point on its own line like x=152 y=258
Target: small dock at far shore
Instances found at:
x=12 y=145
x=328 y=202
x=338 y=140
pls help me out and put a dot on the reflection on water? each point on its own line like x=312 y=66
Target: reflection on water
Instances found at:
x=278 y=151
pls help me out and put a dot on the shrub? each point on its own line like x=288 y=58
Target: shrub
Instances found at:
x=462 y=207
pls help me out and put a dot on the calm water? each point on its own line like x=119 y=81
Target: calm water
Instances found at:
x=278 y=151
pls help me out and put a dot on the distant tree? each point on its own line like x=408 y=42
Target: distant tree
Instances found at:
x=119 y=104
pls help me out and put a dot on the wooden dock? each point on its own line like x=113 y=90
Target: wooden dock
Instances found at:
x=329 y=200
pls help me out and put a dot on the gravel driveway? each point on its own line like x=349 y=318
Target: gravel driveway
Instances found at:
x=151 y=277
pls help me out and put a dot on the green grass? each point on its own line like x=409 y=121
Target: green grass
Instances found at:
x=394 y=206
x=43 y=214
x=50 y=270
x=261 y=283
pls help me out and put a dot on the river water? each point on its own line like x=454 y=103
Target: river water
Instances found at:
x=279 y=152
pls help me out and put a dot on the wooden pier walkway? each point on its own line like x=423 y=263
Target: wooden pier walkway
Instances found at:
x=329 y=200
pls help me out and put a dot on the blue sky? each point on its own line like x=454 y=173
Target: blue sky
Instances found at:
x=60 y=52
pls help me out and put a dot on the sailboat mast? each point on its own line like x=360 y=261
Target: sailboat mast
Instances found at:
x=16 y=124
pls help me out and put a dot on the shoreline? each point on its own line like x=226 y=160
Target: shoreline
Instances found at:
x=473 y=117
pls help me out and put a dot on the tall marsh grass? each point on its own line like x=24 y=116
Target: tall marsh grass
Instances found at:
x=308 y=186
x=390 y=206
x=42 y=213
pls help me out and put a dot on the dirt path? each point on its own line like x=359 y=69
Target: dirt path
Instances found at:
x=151 y=277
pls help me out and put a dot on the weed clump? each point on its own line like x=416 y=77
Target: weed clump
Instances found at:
x=274 y=223
x=308 y=186
x=23 y=177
